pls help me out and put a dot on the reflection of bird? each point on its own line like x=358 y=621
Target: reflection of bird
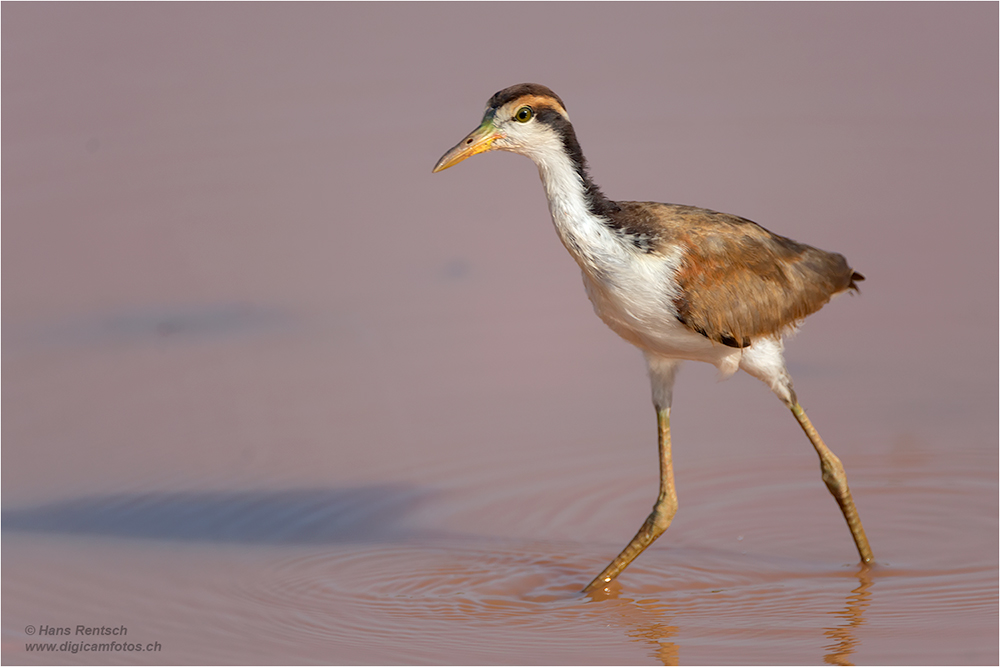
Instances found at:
x=675 y=281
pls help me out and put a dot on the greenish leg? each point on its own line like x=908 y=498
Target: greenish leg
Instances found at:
x=836 y=481
x=657 y=521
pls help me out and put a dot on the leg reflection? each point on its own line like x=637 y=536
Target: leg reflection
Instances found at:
x=844 y=635
x=657 y=636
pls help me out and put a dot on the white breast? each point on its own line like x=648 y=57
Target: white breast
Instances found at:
x=637 y=302
x=633 y=292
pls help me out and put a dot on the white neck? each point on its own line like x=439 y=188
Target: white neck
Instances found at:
x=587 y=238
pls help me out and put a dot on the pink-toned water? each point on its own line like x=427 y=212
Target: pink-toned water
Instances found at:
x=273 y=393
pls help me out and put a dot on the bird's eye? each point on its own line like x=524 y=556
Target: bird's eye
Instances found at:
x=524 y=114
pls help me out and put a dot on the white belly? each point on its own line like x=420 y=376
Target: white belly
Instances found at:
x=636 y=300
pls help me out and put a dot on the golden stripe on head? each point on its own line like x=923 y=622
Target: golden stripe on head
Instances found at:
x=534 y=95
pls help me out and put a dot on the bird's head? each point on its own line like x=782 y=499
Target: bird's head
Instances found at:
x=527 y=118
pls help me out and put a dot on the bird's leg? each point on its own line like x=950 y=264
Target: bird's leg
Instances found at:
x=658 y=519
x=836 y=480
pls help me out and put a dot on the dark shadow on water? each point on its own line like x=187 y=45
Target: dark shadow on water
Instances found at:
x=301 y=516
x=153 y=324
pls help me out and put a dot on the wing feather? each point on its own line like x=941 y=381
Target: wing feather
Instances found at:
x=738 y=281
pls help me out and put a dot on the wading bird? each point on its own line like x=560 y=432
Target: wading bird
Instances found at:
x=677 y=282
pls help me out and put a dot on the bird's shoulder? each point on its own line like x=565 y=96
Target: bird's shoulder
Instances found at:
x=674 y=223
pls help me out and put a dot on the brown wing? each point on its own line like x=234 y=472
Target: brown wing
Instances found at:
x=737 y=280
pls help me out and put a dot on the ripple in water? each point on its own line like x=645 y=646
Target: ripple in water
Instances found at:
x=697 y=596
x=429 y=600
x=396 y=574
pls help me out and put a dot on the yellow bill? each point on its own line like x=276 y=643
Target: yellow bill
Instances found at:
x=479 y=140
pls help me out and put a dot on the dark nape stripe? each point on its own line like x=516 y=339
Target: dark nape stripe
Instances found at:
x=597 y=203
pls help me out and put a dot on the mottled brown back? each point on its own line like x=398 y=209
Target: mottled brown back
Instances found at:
x=739 y=281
